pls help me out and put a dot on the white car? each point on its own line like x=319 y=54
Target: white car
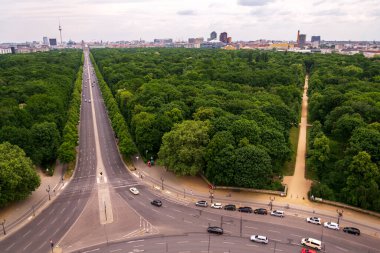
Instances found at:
x=331 y=225
x=278 y=213
x=259 y=238
x=314 y=220
x=134 y=190
x=217 y=205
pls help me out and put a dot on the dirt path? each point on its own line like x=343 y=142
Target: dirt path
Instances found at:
x=298 y=186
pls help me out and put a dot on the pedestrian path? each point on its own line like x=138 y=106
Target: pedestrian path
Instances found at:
x=18 y=213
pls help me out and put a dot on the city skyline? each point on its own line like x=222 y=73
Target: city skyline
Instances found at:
x=95 y=20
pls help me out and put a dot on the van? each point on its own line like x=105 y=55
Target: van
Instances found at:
x=312 y=243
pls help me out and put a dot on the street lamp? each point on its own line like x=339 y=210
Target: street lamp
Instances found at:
x=162 y=183
x=146 y=154
x=211 y=195
x=340 y=214
x=51 y=245
x=48 y=190
x=3 y=224
x=271 y=200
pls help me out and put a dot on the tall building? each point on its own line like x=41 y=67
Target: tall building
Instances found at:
x=229 y=40
x=52 y=42
x=213 y=36
x=315 y=41
x=162 y=41
x=60 y=31
x=298 y=37
x=223 y=37
x=301 y=40
x=45 y=41
x=196 y=40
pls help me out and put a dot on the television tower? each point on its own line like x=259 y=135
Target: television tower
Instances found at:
x=60 y=31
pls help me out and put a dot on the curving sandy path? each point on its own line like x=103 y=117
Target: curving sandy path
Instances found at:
x=298 y=186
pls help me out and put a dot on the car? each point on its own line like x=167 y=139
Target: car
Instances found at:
x=85 y=100
x=312 y=243
x=304 y=250
x=331 y=225
x=259 y=239
x=215 y=230
x=351 y=230
x=134 y=190
x=230 y=207
x=217 y=205
x=245 y=209
x=278 y=213
x=261 y=211
x=156 y=202
x=314 y=220
x=89 y=100
x=202 y=203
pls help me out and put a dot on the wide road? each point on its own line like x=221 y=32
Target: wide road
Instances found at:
x=55 y=220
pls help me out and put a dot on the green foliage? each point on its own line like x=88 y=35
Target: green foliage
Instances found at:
x=17 y=175
x=344 y=143
x=183 y=148
x=252 y=97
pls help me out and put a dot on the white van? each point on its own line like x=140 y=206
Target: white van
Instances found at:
x=312 y=243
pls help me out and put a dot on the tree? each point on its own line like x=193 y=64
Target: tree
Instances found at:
x=17 y=176
x=245 y=128
x=252 y=167
x=183 y=148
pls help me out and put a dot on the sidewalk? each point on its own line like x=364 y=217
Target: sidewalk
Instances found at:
x=21 y=212
x=194 y=188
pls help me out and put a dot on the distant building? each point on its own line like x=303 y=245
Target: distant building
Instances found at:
x=229 y=40
x=5 y=50
x=196 y=40
x=45 y=40
x=162 y=41
x=223 y=37
x=213 y=36
x=53 y=42
x=315 y=41
x=302 y=40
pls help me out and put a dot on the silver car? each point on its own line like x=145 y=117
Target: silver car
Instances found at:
x=259 y=239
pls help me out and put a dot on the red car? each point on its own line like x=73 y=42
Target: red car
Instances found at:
x=308 y=251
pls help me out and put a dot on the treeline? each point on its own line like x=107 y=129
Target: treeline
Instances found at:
x=34 y=99
x=344 y=142
x=226 y=114
x=125 y=142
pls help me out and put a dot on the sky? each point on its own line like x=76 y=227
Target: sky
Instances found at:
x=114 y=20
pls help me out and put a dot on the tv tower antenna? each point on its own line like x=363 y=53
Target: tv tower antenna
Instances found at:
x=60 y=31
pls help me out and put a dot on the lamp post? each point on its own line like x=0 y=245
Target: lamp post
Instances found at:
x=162 y=183
x=51 y=245
x=271 y=199
x=211 y=195
x=48 y=190
x=340 y=214
x=3 y=224
x=146 y=154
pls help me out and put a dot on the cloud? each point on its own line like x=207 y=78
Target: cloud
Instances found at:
x=254 y=2
x=187 y=12
x=332 y=12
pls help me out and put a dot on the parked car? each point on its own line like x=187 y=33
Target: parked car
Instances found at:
x=217 y=205
x=312 y=243
x=261 y=211
x=230 y=207
x=245 y=209
x=331 y=225
x=156 y=202
x=303 y=250
x=134 y=190
x=278 y=213
x=314 y=220
x=202 y=203
x=351 y=230
x=259 y=239
x=215 y=230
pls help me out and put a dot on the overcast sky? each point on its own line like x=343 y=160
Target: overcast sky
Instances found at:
x=111 y=20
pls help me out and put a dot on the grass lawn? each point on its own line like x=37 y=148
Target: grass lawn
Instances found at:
x=288 y=169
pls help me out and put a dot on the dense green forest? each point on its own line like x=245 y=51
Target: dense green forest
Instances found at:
x=225 y=114
x=344 y=142
x=35 y=93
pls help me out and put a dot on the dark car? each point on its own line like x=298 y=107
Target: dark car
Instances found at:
x=261 y=211
x=215 y=230
x=230 y=207
x=202 y=203
x=245 y=209
x=156 y=202
x=351 y=230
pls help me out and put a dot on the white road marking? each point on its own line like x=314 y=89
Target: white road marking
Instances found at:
x=27 y=246
x=296 y=235
x=43 y=231
x=115 y=250
x=276 y=240
x=211 y=219
x=26 y=233
x=205 y=241
x=136 y=241
x=177 y=210
x=91 y=250
x=187 y=221
x=136 y=246
x=250 y=227
x=160 y=243
x=183 y=242
x=170 y=216
x=276 y=249
x=273 y=231
x=251 y=245
x=229 y=242
x=10 y=246
x=342 y=249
